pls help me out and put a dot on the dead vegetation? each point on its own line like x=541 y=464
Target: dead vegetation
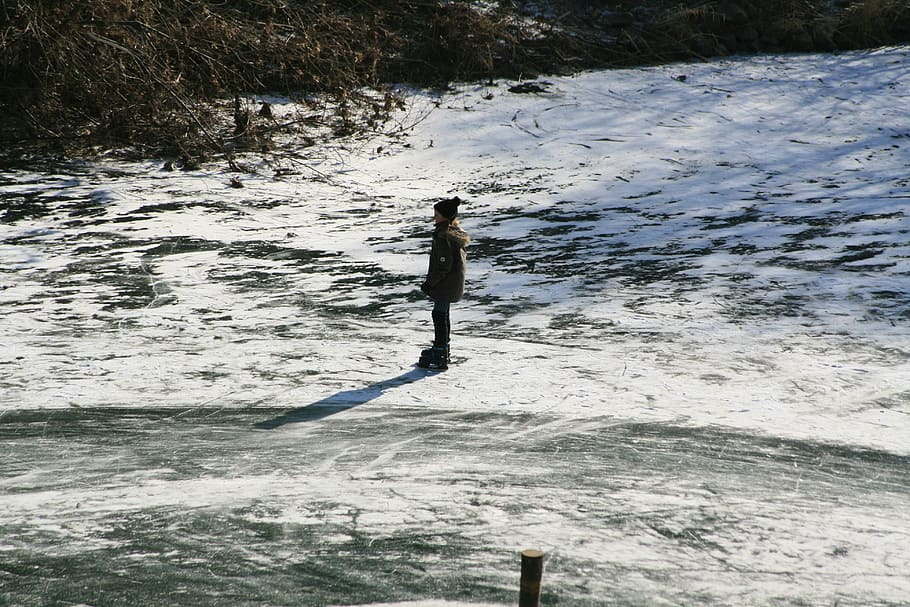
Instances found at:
x=153 y=76
x=148 y=74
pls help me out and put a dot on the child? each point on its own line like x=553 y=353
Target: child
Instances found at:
x=445 y=279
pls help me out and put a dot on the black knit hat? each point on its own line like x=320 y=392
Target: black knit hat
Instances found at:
x=448 y=208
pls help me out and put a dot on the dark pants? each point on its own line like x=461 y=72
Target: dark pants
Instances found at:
x=442 y=324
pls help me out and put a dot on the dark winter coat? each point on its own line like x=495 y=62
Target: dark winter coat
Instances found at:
x=448 y=260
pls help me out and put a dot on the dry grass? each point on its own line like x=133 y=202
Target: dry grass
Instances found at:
x=149 y=75
x=875 y=23
x=145 y=74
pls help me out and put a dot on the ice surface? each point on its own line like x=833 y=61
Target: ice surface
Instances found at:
x=683 y=364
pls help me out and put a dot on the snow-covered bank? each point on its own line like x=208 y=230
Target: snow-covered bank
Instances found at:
x=686 y=337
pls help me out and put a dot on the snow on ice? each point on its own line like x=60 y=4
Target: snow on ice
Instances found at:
x=683 y=363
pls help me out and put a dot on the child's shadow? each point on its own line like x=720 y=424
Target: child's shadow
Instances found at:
x=342 y=401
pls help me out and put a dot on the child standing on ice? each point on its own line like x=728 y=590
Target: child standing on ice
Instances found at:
x=445 y=279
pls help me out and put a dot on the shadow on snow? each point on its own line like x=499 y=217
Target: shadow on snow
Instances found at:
x=342 y=401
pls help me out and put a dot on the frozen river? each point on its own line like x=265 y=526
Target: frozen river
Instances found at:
x=683 y=366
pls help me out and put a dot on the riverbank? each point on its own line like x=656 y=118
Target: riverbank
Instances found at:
x=187 y=80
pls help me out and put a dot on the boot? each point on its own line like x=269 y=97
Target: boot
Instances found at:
x=426 y=353
x=436 y=358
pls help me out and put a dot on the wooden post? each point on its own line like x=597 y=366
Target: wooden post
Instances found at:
x=531 y=572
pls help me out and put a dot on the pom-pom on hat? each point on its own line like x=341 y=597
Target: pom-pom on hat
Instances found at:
x=448 y=208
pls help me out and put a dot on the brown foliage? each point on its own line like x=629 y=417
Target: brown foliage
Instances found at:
x=150 y=74
x=144 y=73
x=703 y=29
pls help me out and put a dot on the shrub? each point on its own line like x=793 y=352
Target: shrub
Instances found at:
x=147 y=74
x=154 y=75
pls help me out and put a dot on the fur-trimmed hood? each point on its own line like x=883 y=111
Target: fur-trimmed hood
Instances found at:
x=455 y=235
